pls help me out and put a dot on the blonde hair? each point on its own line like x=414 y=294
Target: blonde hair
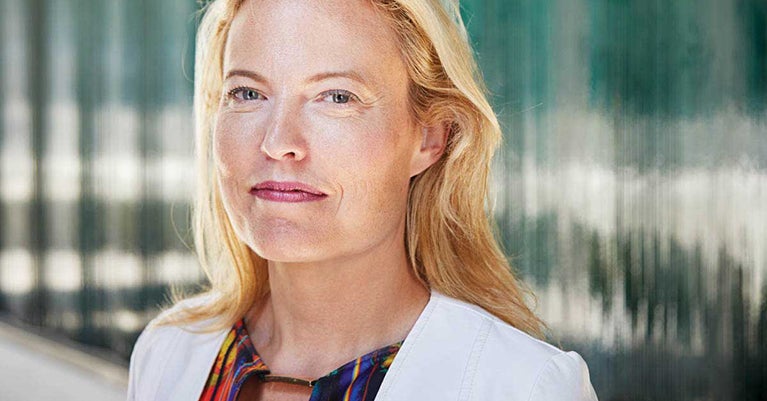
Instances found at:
x=449 y=237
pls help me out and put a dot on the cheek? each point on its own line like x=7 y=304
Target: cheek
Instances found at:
x=234 y=139
x=373 y=167
x=233 y=159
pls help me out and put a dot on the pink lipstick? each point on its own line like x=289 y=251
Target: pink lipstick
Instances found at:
x=286 y=192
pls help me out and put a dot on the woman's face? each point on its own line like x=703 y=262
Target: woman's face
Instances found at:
x=315 y=92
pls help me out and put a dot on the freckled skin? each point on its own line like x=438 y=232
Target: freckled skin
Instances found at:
x=360 y=153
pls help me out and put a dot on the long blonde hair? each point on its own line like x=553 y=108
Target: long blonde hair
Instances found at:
x=449 y=237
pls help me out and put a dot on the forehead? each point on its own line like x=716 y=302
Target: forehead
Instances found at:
x=295 y=36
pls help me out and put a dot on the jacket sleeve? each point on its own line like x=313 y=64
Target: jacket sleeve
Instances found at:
x=565 y=377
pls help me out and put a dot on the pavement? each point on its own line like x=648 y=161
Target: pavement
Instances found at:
x=35 y=368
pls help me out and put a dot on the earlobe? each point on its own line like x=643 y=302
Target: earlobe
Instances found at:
x=433 y=143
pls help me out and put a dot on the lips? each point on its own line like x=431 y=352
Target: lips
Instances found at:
x=286 y=192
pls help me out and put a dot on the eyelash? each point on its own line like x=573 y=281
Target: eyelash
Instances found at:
x=232 y=93
x=352 y=97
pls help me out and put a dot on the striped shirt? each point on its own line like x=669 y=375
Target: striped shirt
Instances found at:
x=238 y=360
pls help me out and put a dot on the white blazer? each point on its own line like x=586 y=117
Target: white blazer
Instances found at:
x=455 y=351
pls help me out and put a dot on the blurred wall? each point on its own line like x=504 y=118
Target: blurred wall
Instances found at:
x=95 y=162
x=631 y=190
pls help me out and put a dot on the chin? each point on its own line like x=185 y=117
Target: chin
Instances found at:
x=278 y=238
x=288 y=248
x=288 y=255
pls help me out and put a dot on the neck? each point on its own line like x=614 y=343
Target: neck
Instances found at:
x=321 y=315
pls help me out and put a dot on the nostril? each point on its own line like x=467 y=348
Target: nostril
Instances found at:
x=282 y=145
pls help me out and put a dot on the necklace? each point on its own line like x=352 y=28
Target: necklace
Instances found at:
x=287 y=379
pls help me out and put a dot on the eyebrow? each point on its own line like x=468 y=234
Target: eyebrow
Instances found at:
x=314 y=78
x=245 y=73
x=338 y=74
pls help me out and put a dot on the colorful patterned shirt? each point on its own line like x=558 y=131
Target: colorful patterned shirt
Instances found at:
x=238 y=360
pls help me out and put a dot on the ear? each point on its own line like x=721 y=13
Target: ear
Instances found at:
x=433 y=143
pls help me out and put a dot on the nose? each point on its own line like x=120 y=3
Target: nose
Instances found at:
x=284 y=139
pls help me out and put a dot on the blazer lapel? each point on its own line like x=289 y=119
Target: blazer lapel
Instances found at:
x=438 y=359
x=203 y=350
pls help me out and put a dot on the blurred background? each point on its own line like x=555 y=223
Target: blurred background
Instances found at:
x=631 y=190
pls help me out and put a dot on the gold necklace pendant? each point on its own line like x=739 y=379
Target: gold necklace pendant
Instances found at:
x=287 y=379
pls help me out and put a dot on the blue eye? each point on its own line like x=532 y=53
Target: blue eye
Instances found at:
x=339 y=96
x=244 y=94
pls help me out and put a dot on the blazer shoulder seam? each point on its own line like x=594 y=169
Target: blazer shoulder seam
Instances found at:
x=477 y=349
x=541 y=371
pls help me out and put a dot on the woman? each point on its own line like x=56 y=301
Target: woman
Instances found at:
x=344 y=150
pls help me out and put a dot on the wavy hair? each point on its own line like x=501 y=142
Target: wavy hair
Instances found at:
x=449 y=236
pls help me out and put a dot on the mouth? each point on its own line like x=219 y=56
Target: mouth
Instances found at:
x=276 y=191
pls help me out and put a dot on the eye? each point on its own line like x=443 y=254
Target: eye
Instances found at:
x=339 y=96
x=243 y=94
